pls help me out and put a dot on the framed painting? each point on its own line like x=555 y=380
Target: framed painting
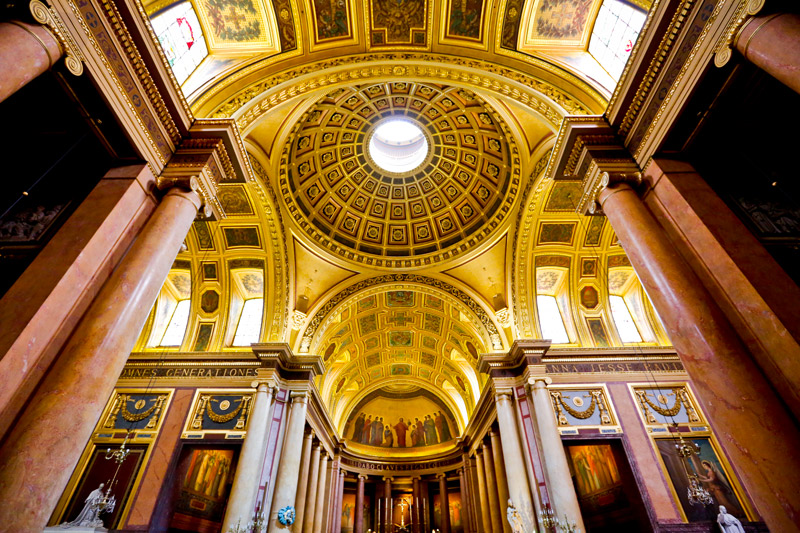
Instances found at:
x=712 y=472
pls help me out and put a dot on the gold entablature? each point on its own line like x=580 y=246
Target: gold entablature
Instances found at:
x=504 y=81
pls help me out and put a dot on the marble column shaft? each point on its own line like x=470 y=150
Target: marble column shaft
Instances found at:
x=417 y=501
x=311 y=494
x=303 y=478
x=444 y=502
x=496 y=514
x=358 y=524
x=483 y=494
x=756 y=431
x=26 y=51
x=563 y=498
x=386 y=520
x=500 y=473
x=337 y=508
x=772 y=43
x=43 y=448
x=322 y=485
x=241 y=502
x=289 y=464
x=466 y=499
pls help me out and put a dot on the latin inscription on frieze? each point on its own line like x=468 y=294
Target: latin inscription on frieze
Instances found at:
x=192 y=372
x=635 y=366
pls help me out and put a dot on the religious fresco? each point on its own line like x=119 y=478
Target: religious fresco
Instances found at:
x=242 y=237
x=234 y=200
x=456 y=507
x=349 y=512
x=595 y=231
x=233 y=26
x=589 y=297
x=510 y=29
x=588 y=267
x=286 y=28
x=564 y=196
x=204 y=239
x=463 y=21
x=598 y=332
x=332 y=19
x=203 y=482
x=204 y=332
x=209 y=271
x=416 y=419
x=562 y=19
x=398 y=22
x=711 y=473
x=209 y=301
x=554 y=233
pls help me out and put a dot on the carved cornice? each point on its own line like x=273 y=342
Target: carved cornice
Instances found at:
x=513 y=363
x=290 y=366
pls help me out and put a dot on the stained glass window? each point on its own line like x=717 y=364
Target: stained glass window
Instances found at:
x=181 y=37
x=615 y=31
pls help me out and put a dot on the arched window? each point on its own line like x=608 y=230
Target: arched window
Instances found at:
x=172 y=309
x=630 y=307
x=551 y=301
x=247 y=307
x=181 y=38
x=615 y=32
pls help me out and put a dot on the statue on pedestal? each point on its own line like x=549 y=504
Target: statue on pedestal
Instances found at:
x=727 y=522
x=514 y=518
x=95 y=504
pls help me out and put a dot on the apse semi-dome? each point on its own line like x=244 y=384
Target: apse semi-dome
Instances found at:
x=401 y=174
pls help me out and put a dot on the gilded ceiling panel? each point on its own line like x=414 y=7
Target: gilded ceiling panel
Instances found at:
x=344 y=200
x=239 y=26
x=398 y=23
x=557 y=24
x=464 y=22
x=331 y=23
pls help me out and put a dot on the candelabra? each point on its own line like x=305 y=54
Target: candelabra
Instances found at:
x=696 y=493
x=685 y=449
x=550 y=521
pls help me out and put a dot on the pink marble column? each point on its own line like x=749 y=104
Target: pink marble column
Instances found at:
x=26 y=51
x=337 y=508
x=417 y=501
x=483 y=493
x=43 y=307
x=466 y=500
x=43 y=448
x=753 y=425
x=358 y=526
x=444 y=502
x=772 y=43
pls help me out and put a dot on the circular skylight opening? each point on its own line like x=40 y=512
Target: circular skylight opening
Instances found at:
x=398 y=146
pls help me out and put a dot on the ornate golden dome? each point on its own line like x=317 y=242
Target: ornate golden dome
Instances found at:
x=458 y=195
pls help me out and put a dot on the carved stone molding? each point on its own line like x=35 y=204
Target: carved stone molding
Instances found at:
x=73 y=58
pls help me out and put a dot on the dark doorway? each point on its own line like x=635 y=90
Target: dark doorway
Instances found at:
x=607 y=491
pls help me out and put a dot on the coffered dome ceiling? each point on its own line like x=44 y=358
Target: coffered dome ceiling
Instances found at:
x=455 y=198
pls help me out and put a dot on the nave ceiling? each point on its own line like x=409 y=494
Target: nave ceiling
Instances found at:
x=398 y=281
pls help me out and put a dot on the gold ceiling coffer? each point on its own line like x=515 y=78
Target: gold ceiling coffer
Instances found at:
x=47 y=16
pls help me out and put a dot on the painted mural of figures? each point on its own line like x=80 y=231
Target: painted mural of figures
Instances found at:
x=377 y=431
x=418 y=435
x=358 y=427
x=400 y=428
x=430 y=431
x=367 y=431
x=388 y=437
x=714 y=483
x=442 y=427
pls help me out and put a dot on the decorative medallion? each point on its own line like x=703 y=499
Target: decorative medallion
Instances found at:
x=463 y=185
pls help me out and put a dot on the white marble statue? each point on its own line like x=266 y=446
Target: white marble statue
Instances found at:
x=514 y=518
x=727 y=522
x=90 y=514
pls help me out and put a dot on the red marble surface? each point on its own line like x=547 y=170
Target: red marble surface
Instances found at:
x=22 y=56
x=644 y=461
x=42 y=308
x=773 y=44
x=752 y=423
x=43 y=448
x=156 y=471
x=753 y=291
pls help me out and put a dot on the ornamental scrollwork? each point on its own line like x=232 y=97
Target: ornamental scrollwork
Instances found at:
x=596 y=403
x=217 y=408
x=142 y=407
x=681 y=401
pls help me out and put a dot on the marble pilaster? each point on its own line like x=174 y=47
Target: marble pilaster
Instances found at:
x=563 y=498
x=496 y=514
x=358 y=525
x=311 y=494
x=483 y=494
x=303 y=478
x=322 y=485
x=241 y=502
x=288 y=468
x=444 y=502
x=500 y=472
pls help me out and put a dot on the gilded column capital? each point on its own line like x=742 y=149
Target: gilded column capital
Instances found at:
x=540 y=381
x=299 y=397
x=504 y=394
x=744 y=13
x=440 y=475
x=199 y=165
x=49 y=18
x=387 y=478
x=363 y=477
